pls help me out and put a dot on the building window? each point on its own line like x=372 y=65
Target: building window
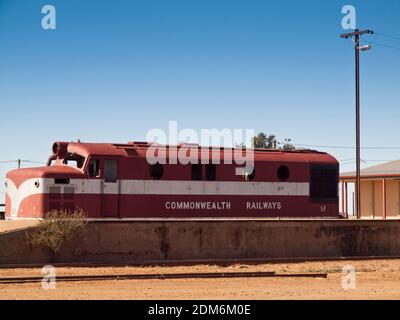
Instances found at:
x=196 y=172
x=110 y=170
x=156 y=171
x=211 y=172
x=283 y=173
x=324 y=183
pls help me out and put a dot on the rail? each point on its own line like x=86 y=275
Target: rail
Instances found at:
x=194 y=275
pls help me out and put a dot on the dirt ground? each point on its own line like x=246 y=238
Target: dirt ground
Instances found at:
x=374 y=279
x=10 y=225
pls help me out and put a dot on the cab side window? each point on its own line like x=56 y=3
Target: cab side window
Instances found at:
x=211 y=172
x=196 y=172
x=110 y=170
x=94 y=168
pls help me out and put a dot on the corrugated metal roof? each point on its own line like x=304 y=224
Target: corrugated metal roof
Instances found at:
x=387 y=169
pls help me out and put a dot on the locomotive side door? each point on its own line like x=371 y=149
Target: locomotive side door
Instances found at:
x=110 y=189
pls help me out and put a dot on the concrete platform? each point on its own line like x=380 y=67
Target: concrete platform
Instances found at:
x=138 y=241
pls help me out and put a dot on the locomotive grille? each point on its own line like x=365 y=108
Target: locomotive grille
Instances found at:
x=324 y=183
x=69 y=193
x=54 y=193
x=62 y=198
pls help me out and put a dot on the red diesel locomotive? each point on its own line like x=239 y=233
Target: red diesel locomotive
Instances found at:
x=117 y=181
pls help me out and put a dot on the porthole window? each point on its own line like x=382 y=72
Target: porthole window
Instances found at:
x=156 y=171
x=55 y=148
x=283 y=173
x=37 y=184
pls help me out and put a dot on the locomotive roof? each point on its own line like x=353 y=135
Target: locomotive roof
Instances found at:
x=139 y=149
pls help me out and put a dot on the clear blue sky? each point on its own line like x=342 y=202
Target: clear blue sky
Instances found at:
x=112 y=70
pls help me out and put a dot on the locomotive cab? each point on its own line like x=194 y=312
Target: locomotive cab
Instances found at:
x=33 y=192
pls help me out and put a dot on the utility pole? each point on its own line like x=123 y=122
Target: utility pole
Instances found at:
x=356 y=34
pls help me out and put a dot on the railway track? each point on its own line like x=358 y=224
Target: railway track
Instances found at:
x=194 y=275
x=219 y=262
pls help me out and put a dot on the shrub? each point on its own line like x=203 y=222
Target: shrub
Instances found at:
x=58 y=226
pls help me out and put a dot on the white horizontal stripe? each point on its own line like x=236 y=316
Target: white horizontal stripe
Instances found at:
x=155 y=187
x=170 y=187
x=214 y=188
x=94 y=186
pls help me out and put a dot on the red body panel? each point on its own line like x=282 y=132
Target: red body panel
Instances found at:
x=136 y=206
x=34 y=192
x=8 y=207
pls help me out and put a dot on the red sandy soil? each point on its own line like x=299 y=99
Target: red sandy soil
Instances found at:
x=375 y=279
x=11 y=225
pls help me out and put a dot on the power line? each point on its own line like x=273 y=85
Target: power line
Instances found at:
x=21 y=161
x=8 y=161
x=31 y=161
x=366 y=160
x=343 y=160
x=343 y=147
x=386 y=46
x=387 y=36
x=382 y=45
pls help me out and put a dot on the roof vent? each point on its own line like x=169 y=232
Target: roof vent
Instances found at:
x=189 y=145
x=138 y=143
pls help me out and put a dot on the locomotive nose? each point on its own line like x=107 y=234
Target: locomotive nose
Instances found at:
x=23 y=189
x=33 y=192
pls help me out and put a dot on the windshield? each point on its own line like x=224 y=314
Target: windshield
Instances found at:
x=74 y=160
